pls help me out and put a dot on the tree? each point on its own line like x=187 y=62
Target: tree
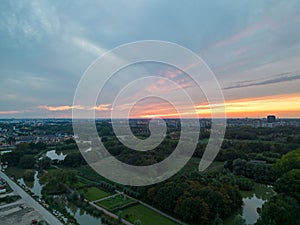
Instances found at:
x=289 y=184
x=193 y=209
x=137 y=222
x=74 y=160
x=280 y=209
x=22 y=147
x=288 y=162
x=239 y=220
x=218 y=220
x=12 y=158
x=44 y=163
x=57 y=180
x=151 y=194
x=27 y=162
x=167 y=195
x=245 y=184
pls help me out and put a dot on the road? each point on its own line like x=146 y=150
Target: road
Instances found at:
x=51 y=219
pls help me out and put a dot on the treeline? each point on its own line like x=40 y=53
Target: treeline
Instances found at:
x=283 y=134
x=232 y=149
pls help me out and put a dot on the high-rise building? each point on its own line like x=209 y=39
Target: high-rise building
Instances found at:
x=271 y=118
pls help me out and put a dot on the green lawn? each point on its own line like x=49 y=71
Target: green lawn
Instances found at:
x=79 y=184
x=115 y=202
x=145 y=215
x=94 y=193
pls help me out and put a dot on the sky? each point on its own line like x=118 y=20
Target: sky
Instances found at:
x=252 y=47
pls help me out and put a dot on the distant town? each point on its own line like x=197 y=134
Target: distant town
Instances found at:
x=15 y=131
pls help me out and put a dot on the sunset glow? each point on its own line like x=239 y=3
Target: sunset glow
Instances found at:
x=285 y=106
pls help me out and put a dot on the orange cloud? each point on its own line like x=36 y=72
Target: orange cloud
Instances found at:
x=10 y=112
x=102 y=107
x=60 y=108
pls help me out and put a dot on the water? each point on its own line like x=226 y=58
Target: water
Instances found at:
x=53 y=155
x=250 y=209
x=252 y=200
x=35 y=187
x=83 y=217
x=255 y=199
x=79 y=214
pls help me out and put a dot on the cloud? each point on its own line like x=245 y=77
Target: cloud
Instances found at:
x=88 y=46
x=277 y=79
x=10 y=112
x=60 y=108
x=102 y=107
x=247 y=32
x=29 y=20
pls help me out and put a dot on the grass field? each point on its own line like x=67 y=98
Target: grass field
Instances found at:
x=145 y=215
x=94 y=193
x=79 y=184
x=115 y=202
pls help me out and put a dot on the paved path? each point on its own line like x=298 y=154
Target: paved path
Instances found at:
x=51 y=219
x=16 y=203
x=102 y=199
x=7 y=194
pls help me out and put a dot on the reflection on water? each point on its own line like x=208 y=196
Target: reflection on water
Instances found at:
x=83 y=217
x=255 y=199
x=79 y=214
x=35 y=186
x=54 y=156
x=250 y=209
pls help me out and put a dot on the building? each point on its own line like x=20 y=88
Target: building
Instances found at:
x=256 y=123
x=271 y=118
